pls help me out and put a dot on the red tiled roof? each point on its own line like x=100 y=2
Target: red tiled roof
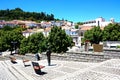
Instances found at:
x=84 y=28
x=47 y=29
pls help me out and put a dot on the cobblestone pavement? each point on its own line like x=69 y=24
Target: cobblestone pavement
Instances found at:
x=62 y=70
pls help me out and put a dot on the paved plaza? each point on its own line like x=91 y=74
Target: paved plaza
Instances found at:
x=61 y=70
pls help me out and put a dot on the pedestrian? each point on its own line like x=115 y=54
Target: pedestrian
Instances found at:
x=48 y=53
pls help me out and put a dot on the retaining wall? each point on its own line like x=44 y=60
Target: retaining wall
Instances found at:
x=84 y=56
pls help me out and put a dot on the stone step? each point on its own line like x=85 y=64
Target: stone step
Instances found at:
x=5 y=73
x=15 y=71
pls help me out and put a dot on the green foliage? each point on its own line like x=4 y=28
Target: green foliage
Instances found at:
x=118 y=46
x=94 y=35
x=19 y=14
x=76 y=26
x=8 y=36
x=24 y=46
x=111 y=32
x=59 y=40
x=33 y=44
x=7 y=28
x=79 y=23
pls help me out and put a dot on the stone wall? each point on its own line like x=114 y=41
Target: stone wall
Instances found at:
x=75 y=56
x=84 y=56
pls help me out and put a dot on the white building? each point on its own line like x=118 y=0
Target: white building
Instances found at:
x=111 y=44
x=98 y=22
x=74 y=34
x=29 y=32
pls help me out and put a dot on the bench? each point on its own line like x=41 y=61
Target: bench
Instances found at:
x=24 y=62
x=13 y=59
x=37 y=67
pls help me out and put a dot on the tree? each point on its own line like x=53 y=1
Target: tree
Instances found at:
x=3 y=45
x=79 y=23
x=9 y=35
x=58 y=40
x=76 y=26
x=112 y=32
x=33 y=44
x=94 y=35
x=24 y=46
x=18 y=13
x=7 y=28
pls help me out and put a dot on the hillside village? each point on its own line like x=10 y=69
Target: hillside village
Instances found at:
x=59 y=40
x=45 y=26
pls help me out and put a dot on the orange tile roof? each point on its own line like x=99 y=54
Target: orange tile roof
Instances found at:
x=47 y=29
x=84 y=28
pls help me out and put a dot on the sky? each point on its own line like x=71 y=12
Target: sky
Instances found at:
x=71 y=10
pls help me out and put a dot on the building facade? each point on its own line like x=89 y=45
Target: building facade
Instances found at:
x=98 y=22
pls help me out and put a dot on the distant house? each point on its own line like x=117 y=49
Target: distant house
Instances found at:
x=59 y=23
x=31 y=25
x=46 y=31
x=91 y=23
x=98 y=22
x=38 y=25
x=10 y=24
x=111 y=44
x=25 y=24
x=83 y=29
x=74 y=34
x=29 y=32
x=2 y=23
x=22 y=24
x=45 y=24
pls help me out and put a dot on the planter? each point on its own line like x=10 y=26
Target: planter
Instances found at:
x=97 y=48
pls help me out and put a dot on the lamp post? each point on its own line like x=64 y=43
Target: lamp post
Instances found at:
x=14 y=46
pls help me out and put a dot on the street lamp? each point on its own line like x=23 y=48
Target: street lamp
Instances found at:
x=14 y=43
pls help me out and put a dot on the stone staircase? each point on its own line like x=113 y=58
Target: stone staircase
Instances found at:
x=12 y=72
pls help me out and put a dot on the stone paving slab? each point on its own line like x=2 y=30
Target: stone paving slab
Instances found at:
x=63 y=70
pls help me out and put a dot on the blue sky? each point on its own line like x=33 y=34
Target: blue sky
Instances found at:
x=72 y=10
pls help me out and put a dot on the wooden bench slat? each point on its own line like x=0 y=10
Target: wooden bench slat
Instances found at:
x=36 y=67
x=26 y=60
x=41 y=66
